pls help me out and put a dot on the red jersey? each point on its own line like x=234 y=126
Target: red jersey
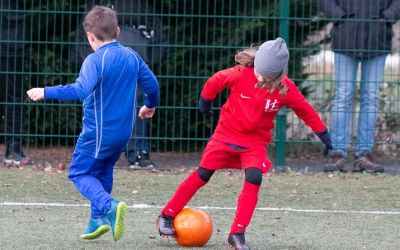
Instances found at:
x=246 y=118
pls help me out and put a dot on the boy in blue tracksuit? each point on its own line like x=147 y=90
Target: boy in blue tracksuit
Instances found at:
x=106 y=85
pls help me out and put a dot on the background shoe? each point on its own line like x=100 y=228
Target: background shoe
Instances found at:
x=146 y=163
x=115 y=217
x=142 y=162
x=237 y=241
x=17 y=159
x=365 y=162
x=165 y=225
x=95 y=229
x=134 y=166
x=336 y=163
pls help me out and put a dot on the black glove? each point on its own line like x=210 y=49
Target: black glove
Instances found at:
x=325 y=137
x=205 y=107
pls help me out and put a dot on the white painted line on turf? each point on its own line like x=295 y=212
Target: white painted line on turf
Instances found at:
x=41 y=204
x=288 y=209
x=142 y=206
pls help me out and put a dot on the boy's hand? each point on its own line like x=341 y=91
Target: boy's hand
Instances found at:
x=325 y=137
x=146 y=112
x=205 y=107
x=36 y=94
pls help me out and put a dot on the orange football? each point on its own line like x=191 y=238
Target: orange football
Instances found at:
x=193 y=227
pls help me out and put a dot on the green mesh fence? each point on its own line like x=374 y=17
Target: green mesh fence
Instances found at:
x=184 y=43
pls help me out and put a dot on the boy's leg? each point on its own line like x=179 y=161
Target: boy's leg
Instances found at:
x=115 y=217
x=105 y=174
x=93 y=178
x=95 y=229
x=91 y=188
x=247 y=202
x=81 y=174
x=115 y=214
x=182 y=196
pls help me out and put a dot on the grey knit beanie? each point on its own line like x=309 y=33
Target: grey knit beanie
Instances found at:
x=271 y=58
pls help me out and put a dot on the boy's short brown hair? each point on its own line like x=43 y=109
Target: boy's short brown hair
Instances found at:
x=102 y=22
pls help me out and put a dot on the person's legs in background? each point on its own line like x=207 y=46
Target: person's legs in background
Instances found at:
x=137 y=151
x=342 y=109
x=12 y=87
x=371 y=80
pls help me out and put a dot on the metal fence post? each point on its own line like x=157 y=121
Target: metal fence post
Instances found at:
x=281 y=118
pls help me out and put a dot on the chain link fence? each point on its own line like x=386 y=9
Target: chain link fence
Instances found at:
x=184 y=43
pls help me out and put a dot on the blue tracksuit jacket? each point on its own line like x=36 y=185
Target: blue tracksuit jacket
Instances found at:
x=107 y=87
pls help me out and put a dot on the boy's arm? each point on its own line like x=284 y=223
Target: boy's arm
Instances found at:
x=298 y=103
x=149 y=84
x=56 y=92
x=215 y=84
x=303 y=109
x=36 y=94
x=84 y=85
x=146 y=112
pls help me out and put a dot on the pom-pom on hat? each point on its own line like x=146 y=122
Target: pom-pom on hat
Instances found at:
x=271 y=58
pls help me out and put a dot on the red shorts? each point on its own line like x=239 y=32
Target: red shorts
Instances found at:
x=219 y=155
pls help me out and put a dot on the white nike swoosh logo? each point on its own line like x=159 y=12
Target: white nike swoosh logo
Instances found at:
x=244 y=97
x=264 y=165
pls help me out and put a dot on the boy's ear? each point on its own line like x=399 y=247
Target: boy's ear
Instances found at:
x=118 y=31
x=90 y=36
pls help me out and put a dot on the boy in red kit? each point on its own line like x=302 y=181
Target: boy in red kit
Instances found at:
x=259 y=88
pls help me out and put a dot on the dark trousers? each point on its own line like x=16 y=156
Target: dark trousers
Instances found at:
x=11 y=109
x=138 y=140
